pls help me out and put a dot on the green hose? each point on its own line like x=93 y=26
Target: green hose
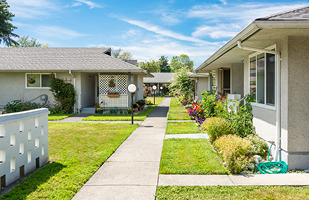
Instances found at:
x=279 y=167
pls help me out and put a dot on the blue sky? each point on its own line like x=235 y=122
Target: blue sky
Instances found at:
x=147 y=29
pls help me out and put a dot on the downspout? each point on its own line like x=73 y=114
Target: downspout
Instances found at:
x=277 y=93
x=74 y=77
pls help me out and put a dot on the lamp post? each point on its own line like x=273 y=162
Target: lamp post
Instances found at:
x=161 y=88
x=154 y=92
x=132 y=89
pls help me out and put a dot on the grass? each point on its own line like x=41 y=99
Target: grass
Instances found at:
x=189 y=156
x=232 y=192
x=57 y=117
x=76 y=151
x=186 y=127
x=177 y=112
x=137 y=117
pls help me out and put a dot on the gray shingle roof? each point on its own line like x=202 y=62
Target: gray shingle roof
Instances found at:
x=159 y=78
x=299 y=14
x=40 y=58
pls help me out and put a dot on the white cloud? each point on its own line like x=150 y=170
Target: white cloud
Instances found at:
x=76 y=4
x=90 y=4
x=218 y=31
x=57 y=32
x=163 y=32
x=223 y=1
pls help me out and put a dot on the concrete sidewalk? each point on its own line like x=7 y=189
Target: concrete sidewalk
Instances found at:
x=132 y=171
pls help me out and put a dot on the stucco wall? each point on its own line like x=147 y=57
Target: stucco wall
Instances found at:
x=237 y=78
x=13 y=87
x=202 y=85
x=88 y=90
x=298 y=82
x=139 y=86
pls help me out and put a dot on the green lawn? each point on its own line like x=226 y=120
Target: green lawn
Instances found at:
x=182 y=128
x=177 y=112
x=76 y=150
x=56 y=117
x=137 y=117
x=232 y=192
x=189 y=156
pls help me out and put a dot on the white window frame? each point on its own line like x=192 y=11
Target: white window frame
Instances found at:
x=262 y=105
x=26 y=80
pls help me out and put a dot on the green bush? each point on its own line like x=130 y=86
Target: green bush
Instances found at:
x=217 y=127
x=19 y=106
x=259 y=146
x=234 y=151
x=209 y=102
x=64 y=93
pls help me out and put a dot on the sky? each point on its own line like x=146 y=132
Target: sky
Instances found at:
x=147 y=29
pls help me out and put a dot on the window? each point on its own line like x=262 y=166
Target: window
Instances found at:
x=262 y=78
x=37 y=80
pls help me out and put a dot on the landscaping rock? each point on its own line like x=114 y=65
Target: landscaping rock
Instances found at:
x=224 y=164
x=243 y=173
x=257 y=159
x=251 y=166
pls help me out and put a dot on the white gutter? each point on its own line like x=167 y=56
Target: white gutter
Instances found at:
x=277 y=94
x=74 y=77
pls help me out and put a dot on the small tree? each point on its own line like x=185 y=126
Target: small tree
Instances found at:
x=181 y=84
x=6 y=28
x=25 y=41
x=64 y=93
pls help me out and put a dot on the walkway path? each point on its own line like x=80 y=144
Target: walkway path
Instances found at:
x=132 y=171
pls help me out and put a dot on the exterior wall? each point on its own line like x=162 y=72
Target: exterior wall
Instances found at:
x=237 y=78
x=23 y=140
x=298 y=82
x=88 y=90
x=139 y=86
x=202 y=85
x=13 y=87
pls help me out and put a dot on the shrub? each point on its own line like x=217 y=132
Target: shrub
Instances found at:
x=234 y=151
x=64 y=93
x=259 y=146
x=19 y=106
x=182 y=84
x=217 y=127
x=208 y=102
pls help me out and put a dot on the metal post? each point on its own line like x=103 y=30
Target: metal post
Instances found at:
x=132 y=108
x=154 y=97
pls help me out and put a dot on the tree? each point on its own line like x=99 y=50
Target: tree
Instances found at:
x=6 y=28
x=181 y=84
x=180 y=62
x=163 y=63
x=116 y=53
x=24 y=41
x=151 y=66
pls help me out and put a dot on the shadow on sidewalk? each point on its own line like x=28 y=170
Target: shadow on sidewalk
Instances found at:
x=159 y=112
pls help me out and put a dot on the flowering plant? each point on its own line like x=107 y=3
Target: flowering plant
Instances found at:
x=146 y=91
x=31 y=78
x=112 y=92
x=112 y=80
x=197 y=112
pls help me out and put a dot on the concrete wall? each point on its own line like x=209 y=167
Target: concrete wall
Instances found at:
x=237 y=78
x=298 y=89
x=202 y=85
x=23 y=143
x=88 y=90
x=139 y=86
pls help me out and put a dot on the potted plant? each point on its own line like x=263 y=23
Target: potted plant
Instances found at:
x=31 y=80
x=100 y=110
x=129 y=110
x=96 y=106
x=111 y=83
x=113 y=94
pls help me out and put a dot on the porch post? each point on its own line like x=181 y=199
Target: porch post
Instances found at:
x=128 y=93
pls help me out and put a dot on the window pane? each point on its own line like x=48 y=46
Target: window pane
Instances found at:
x=33 y=77
x=260 y=78
x=45 y=80
x=253 y=77
x=270 y=79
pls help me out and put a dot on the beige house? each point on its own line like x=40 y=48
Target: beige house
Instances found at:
x=269 y=60
x=88 y=69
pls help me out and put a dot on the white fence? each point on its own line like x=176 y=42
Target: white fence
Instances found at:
x=23 y=144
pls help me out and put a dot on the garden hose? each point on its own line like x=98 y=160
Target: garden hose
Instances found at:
x=279 y=167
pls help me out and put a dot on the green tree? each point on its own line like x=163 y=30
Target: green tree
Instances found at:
x=180 y=62
x=6 y=28
x=181 y=84
x=25 y=41
x=163 y=63
x=117 y=53
x=151 y=65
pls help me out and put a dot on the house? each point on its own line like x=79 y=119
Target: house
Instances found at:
x=269 y=60
x=88 y=69
x=201 y=82
x=158 y=79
